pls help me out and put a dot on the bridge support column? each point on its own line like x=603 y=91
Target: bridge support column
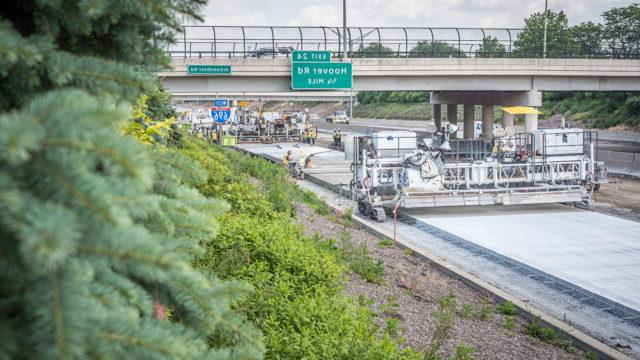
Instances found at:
x=530 y=122
x=452 y=117
x=507 y=120
x=468 y=121
x=487 y=121
x=436 y=111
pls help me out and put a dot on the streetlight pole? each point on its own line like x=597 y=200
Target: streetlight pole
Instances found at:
x=544 y=43
x=344 y=28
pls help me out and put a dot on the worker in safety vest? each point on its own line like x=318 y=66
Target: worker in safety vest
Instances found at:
x=287 y=158
x=214 y=136
x=313 y=136
x=305 y=136
x=339 y=138
x=335 y=137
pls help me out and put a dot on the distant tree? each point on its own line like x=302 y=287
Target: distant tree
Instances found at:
x=374 y=50
x=529 y=42
x=587 y=39
x=436 y=49
x=491 y=48
x=621 y=30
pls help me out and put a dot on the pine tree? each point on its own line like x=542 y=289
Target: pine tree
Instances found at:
x=97 y=230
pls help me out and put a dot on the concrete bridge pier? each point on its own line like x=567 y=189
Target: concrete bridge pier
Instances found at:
x=468 y=121
x=507 y=120
x=452 y=116
x=436 y=111
x=487 y=121
x=530 y=122
x=487 y=99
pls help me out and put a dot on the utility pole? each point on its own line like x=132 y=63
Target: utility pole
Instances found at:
x=344 y=28
x=544 y=43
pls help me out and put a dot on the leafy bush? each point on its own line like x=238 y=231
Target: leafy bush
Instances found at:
x=298 y=301
x=444 y=316
x=506 y=308
x=549 y=335
x=385 y=243
x=463 y=352
x=362 y=264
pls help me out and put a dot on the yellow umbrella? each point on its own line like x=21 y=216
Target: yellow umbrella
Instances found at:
x=519 y=110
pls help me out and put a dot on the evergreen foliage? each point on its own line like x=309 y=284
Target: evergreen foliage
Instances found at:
x=97 y=231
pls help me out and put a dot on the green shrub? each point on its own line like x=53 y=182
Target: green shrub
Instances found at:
x=549 y=335
x=506 y=308
x=444 y=317
x=390 y=308
x=484 y=310
x=509 y=323
x=407 y=252
x=362 y=264
x=385 y=243
x=463 y=352
x=467 y=311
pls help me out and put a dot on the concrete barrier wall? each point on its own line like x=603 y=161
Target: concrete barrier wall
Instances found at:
x=619 y=136
x=621 y=163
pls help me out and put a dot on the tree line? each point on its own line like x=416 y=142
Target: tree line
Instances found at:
x=618 y=37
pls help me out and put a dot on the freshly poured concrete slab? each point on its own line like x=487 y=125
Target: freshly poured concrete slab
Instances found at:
x=597 y=252
x=327 y=165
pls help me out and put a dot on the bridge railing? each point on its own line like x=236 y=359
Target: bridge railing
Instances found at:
x=375 y=42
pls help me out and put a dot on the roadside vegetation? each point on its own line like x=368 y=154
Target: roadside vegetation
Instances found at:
x=297 y=298
x=615 y=37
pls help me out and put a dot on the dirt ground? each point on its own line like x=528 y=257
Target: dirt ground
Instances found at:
x=621 y=197
x=417 y=286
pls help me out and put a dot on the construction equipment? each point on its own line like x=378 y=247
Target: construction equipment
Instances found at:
x=265 y=126
x=545 y=166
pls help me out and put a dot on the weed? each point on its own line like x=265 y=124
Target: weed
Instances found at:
x=506 y=308
x=463 y=352
x=407 y=252
x=509 y=323
x=392 y=326
x=590 y=355
x=444 y=317
x=484 y=311
x=385 y=243
x=347 y=214
x=467 y=311
x=362 y=264
x=549 y=335
x=390 y=308
x=363 y=300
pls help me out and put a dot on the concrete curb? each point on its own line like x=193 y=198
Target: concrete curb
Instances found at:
x=580 y=339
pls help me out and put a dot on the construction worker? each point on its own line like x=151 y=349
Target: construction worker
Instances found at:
x=214 y=136
x=335 y=138
x=313 y=136
x=339 y=138
x=287 y=158
x=305 y=136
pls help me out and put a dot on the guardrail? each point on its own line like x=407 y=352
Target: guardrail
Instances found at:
x=278 y=41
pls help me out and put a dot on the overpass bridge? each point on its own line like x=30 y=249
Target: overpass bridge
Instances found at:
x=440 y=60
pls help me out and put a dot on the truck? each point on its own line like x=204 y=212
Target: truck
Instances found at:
x=338 y=117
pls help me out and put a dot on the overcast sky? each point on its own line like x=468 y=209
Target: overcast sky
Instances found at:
x=436 y=13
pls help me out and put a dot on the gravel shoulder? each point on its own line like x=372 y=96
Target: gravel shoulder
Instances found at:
x=417 y=286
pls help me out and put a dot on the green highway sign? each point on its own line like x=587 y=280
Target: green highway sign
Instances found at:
x=209 y=69
x=310 y=56
x=321 y=75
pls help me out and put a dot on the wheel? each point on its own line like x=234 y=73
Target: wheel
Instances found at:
x=379 y=214
x=362 y=208
x=584 y=205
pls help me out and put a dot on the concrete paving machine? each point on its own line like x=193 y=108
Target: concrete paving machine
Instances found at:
x=391 y=169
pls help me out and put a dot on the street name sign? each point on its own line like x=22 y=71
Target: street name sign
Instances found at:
x=310 y=56
x=209 y=69
x=220 y=103
x=321 y=75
